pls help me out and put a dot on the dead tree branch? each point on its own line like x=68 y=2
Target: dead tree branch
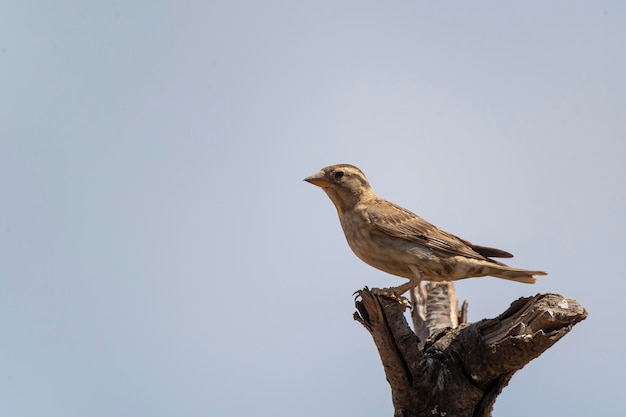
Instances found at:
x=451 y=368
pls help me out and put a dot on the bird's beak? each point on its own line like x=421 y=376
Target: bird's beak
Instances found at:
x=319 y=179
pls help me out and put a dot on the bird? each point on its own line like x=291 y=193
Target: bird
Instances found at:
x=397 y=241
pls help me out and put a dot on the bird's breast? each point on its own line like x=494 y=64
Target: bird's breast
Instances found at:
x=389 y=254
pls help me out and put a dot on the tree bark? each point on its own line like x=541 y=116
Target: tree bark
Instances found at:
x=448 y=367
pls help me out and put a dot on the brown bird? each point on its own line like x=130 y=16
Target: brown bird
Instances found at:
x=393 y=239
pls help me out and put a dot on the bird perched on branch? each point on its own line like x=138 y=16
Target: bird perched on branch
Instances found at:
x=393 y=239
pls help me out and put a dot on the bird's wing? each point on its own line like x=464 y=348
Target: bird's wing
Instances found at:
x=395 y=221
x=487 y=251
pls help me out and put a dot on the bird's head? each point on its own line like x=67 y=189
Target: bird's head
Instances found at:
x=345 y=185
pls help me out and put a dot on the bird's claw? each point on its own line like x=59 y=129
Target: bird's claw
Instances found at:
x=357 y=293
x=390 y=294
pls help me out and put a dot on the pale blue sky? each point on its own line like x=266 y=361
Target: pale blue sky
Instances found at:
x=161 y=256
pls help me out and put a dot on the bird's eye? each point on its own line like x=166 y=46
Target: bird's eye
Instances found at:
x=338 y=175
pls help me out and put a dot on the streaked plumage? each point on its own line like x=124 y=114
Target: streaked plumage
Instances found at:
x=395 y=240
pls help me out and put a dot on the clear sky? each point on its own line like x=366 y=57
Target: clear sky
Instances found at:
x=161 y=256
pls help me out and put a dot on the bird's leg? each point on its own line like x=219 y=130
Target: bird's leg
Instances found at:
x=395 y=293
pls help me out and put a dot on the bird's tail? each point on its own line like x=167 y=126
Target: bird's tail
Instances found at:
x=515 y=274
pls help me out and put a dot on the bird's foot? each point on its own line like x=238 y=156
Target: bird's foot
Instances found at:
x=392 y=294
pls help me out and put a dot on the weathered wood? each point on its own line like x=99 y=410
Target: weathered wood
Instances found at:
x=449 y=370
